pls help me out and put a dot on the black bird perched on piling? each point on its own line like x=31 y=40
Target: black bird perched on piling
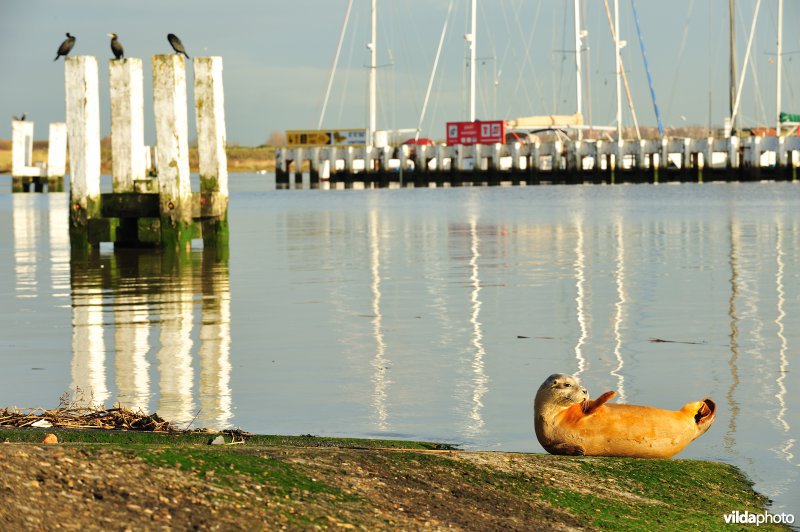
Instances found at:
x=19 y=118
x=116 y=46
x=177 y=45
x=65 y=47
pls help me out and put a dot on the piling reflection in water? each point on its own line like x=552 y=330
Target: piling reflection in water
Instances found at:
x=580 y=297
x=759 y=362
x=146 y=308
x=730 y=396
x=59 y=244
x=619 y=309
x=786 y=449
x=380 y=381
x=479 y=379
x=26 y=231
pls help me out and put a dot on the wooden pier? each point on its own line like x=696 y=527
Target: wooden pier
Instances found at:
x=144 y=211
x=558 y=162
x=27 y=177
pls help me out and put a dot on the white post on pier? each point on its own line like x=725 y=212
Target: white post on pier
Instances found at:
x=126 y=81
x=209 y=101
x=21 y=146
x=83 y=137
x=57 y=150
x=172 y=140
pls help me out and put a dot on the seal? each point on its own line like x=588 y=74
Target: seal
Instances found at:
x=568 y=422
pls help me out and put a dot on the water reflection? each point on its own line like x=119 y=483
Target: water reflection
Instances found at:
x=580 y=296
x=619 y=309
x=783 y=369
x=58 y=215
x=379 y=362
x=88 y=344
x=132 y=338
x=733 y=337
x=26 y=230
x=479 y=378
x=157 y=313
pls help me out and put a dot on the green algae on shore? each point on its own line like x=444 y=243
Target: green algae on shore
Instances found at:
x=308 y=481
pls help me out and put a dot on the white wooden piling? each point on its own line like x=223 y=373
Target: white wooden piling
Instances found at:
x=172 y=140
x=126 y=81
x=21 y=146
x=209 y=100
x=83 y=133
x=57 y=150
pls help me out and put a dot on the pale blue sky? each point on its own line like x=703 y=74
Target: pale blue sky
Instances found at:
x=278 y=55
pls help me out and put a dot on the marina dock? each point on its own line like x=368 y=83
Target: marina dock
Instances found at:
x=733 y=159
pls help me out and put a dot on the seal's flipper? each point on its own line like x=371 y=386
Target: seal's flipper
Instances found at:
x=568 y=449
x=590 y=406
x=705 y=414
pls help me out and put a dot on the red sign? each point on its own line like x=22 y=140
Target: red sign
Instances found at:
x=490 y=132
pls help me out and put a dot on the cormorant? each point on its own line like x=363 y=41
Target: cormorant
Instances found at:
x=65 y=47
x=116 y=46
x=19 y=118
x=177 y=45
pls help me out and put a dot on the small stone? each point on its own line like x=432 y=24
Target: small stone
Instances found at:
x=50 y=438
x=219 y=440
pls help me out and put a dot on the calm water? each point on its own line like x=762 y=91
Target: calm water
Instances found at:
x=428 y=314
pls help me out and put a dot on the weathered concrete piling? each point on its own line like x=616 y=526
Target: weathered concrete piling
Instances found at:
x=23 y=172
x=209 y=101
x=126 y=81
x=56 y=156
x=83 y=136
x=141 y=210
x=172 y=139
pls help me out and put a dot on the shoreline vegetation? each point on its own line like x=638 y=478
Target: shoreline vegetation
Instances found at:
x=149 y=478
x=240 y=158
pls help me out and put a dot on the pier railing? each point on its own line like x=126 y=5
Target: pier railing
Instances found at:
x=567 y=162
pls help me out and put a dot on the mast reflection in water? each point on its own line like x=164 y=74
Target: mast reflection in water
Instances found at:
x=151 y=331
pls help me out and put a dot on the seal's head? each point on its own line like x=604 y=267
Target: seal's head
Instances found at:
x=560 y=390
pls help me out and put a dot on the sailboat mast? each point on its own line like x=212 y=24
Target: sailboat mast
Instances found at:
x=618 y=69
x=472 y=59
x=732 y=58
x=779 y=63
x=578 y=49
x=373 y=72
